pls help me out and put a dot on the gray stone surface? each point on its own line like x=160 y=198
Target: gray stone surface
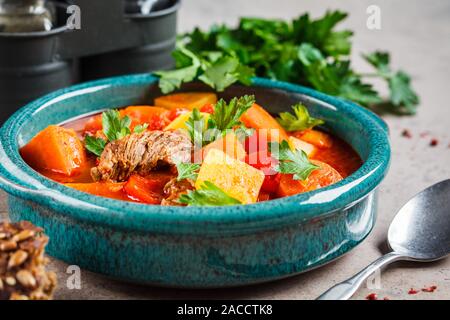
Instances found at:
x=417 y=33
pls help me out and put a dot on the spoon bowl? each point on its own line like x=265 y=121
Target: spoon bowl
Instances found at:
x=421 y=229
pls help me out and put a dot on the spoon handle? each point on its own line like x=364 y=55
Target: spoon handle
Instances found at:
x=346 y=289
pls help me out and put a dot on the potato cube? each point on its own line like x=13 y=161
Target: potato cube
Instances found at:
x=320 y=139
x=188 y=100
x=180 y=121
x=238 y=179
x=258 y=118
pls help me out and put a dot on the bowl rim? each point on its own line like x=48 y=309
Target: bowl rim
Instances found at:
x=20 y=180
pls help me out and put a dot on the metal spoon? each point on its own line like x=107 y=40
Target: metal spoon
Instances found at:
x=419 y=232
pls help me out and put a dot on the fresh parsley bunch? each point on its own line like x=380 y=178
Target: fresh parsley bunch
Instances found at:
x=217 y=69
x=306 y=51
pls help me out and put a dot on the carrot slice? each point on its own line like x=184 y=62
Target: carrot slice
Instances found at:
x=55 y=149
x=112 y=190
x=318 y=138
x=207 y=108
x=263 y=196
x=147 y=189
x=258 y=118
x=319 y=178
x=156 y=118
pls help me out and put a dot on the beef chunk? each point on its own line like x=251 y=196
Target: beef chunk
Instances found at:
x=141 y=153
x=174 y=189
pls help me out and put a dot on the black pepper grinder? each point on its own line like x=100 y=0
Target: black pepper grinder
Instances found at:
x=20 y=16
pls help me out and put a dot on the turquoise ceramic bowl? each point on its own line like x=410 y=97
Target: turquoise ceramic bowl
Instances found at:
x=195 y=247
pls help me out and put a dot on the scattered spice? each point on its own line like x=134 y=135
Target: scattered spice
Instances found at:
x=372 y=296
x=413 y=291
x=406 y=133
x=424 y=134
x=434 y=142
x=430 y=289
x=23 y=272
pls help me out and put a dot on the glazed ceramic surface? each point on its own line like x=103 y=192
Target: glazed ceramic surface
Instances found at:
x=196 y=246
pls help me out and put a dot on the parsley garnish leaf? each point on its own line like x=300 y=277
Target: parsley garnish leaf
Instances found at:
x=291 y=162
x=94 y=145
x=300 y=120
x=115 y=127
x=187 y=171
x=227 y=115
x=242 y=132
x=196 y=128
x=208 y=195
x=140 y=128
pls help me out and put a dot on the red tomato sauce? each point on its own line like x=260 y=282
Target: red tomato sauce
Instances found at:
x=340 y=156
